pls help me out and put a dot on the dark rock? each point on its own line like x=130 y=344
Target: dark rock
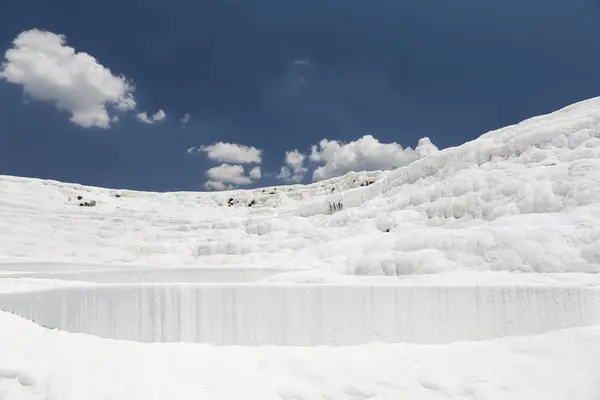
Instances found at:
x=91 y=203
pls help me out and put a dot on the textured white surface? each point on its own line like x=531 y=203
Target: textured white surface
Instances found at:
x=523 y=198
x=38 y=364
x=305 y=315
x=124 y=274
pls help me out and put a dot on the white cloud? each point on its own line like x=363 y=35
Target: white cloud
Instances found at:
x=193 y=150
x=185 y=119
x=144 y=118
x=226 y=176
x=232 y=153
x=302 y=61
x=158 y=117
x=293 y=171
x=254 y=173
x=364 y=154
x=127 y=104
x=425 y=147
x=212 y=185
x=49 y=70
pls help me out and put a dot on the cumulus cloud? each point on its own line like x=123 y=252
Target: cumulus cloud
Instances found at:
x=232 y=153
x=366 y=153
x=293 y=171
x=49 y=70
x=254 y=173
x=127 y=103
x=226 y=176
x=193 y=150
x=158 y=117
x=227 y=173
x=217 y=186
x=425 y=147
x=185 y=119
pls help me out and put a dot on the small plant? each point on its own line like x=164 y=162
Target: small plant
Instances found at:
x=333 y=207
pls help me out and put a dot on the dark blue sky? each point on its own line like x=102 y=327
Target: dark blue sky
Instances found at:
x=398 y=70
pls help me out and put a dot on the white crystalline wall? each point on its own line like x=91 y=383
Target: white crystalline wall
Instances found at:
x=305 y=314
x=121 y=274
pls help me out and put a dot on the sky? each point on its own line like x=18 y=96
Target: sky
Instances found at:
x=218 y=94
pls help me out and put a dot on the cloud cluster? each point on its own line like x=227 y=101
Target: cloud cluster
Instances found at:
x=255 y=173
x=159 y=116
x=338 y=158
x=230 y=153
x=226 y=176
x=230 y=175
x=334 y=158
x=293 y=170
x=366 y=153
x=49 y=70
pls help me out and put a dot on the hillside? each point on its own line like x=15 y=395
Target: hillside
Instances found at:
x=523 y=198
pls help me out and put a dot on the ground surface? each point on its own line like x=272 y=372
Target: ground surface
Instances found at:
x=39 y=364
